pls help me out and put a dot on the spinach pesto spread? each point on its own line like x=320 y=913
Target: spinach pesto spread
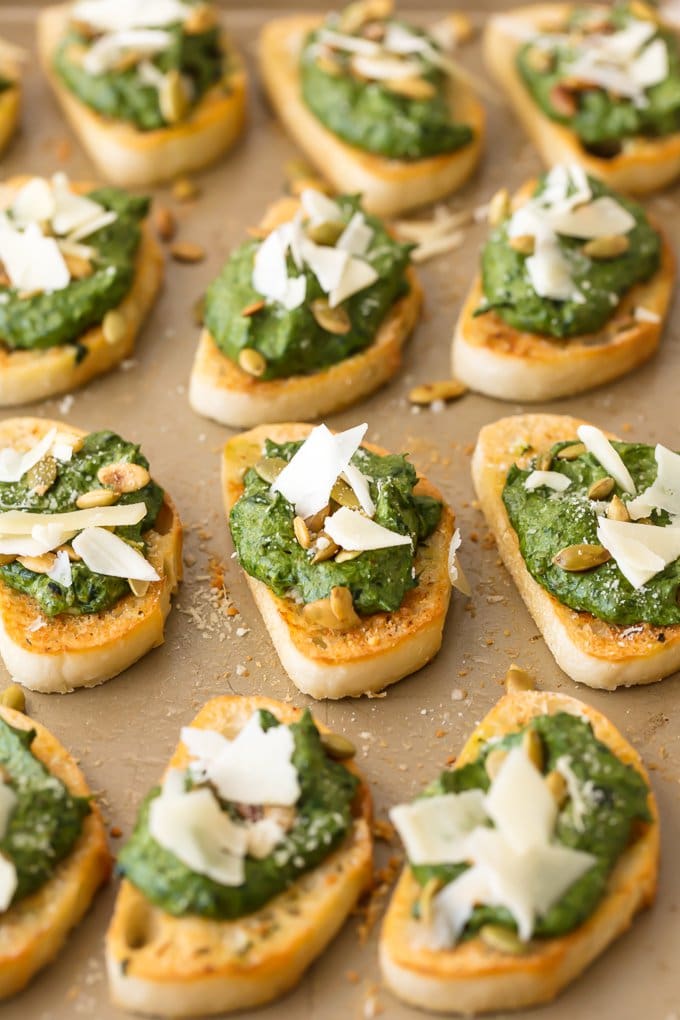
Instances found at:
x=567 y=76
x=148 y=87
x=319 y=822
x=596 y=283
x=53 y=486
x=547 y=522
x=405 y=115
x=263 y=530
x=45 y=820
x=613 y=801
x=36 y=321
x=310 y=336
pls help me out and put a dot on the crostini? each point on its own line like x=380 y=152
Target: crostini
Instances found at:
x=79 y=272
x=526 y=860
x=350 y=557
x=153 y=90
x=11 y=59
x=574 y=288
x=90 y=554
x=378 y=106
x=54 y=852
x=308 y=318
x=594 y=84
x=586 y=527
x=243 y=864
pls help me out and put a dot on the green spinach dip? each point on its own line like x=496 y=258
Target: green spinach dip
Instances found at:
x=323 y=817
x=547 y=522
x=601 y=120
x=614 y=801
x=508 y=290
x=89 y=592
x=371 y=116
x=46 y=819
x=123 y=94
x=60 y=317
x=261 y=523
x=292 y=342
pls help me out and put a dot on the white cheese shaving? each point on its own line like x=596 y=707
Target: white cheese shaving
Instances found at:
x=32 y=261
x=664 y=492
x=602 y=450
x=8 y=872
x=118 y=15
x=24 y=522
x=456 y=574
x=580 y=794
x=549 y=272
x=353 y=531
x=319 y=207
x=61 y=571
x=520 y=804
x=643 y=314
x=551 y=479
x=308 y=478
x=357 y=276
x=270 y=274
x=106 y=51
x=356 y=237
x=434 y=830
x=385 y=68
x=624 y=62
x=106 y=553
x=327 y=263
x=34 y=202
x=348 y=43
x=599 y=218
x=641 y=551
x=14 y=465
x=359 y=485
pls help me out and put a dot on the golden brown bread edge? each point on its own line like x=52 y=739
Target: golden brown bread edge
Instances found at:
x=219 y=389
x=132 y=158
x=644 y=164
x=589 y=650
x=492 y=357
x=10 y=106
x=473 y=977
x=387 y=186
x=189 y=966
x=33 y=930
x=82 y=651
x=384 y=647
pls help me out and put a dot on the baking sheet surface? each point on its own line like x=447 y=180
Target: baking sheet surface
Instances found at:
x=124 y=731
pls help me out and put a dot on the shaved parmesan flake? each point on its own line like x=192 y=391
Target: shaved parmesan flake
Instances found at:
x=33 y=203
x=550 y=273
x=551 y=479
x=73 y=211
x=328 y=264
x=520 y=804
x=357 y=276
x=646 y=315
x=23 y=522
x=61 y=571
x=356 y=237
x=456 y=574
x=254 y=768
x=106 y=553
x=8 y=873
x=32 y=262
x=385 y=68
x=14 y=465
x=641 y=551
x=319 y=207
x=117 y=15
x=348 y=43
x=664 y=492
x=434 y=830
x=602 y=450
x=270 y=273
x=104 y=219
x=106 y=51
x=308 y=478
x=359 y=485
x=624 y=62
x=599 y=218
x=263 y=836
x=351 y=530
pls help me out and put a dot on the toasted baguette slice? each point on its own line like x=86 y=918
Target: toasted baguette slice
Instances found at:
x=387 y=186
x=221 y=390
x=132 y=158
x=10 y=104
x=494 y=358
x=189 y=966
x=33 y=930
x=589 y=650
x=472 y=977
x=384 y=647
x=66 y=652
x=28 y=375
x=643 y=165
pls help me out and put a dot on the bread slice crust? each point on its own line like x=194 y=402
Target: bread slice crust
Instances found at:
x=589 y=650
x=189 y=966
x=472 y=977
x=644 y=164
x=28 y=375
x=387 y=186
x=10 y=106
x=384 y=647
x=67 y=652
x=495 y=358
x=219 y=389
x=33 y=930
x=132 y=158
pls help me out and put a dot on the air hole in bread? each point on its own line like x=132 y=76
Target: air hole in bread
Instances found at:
x=138 y=926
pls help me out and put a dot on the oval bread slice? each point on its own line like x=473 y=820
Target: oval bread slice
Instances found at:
x=33 y=930
x=384 y=647
x=190 y=966
x=642 y=166
x=66 y=652
x=132 y=158
x=589 y=650
x=472 y=977
x=387 y=186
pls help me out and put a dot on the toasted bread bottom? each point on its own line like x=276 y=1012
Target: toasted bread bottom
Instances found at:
x=643 y=165
x=10 y=102
x=472 y=977
x=387 y=186
x=33 y=930
x=384 y=647
x=589 y=650
x=66 y=652
x=188 y=966
x=133 y=158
